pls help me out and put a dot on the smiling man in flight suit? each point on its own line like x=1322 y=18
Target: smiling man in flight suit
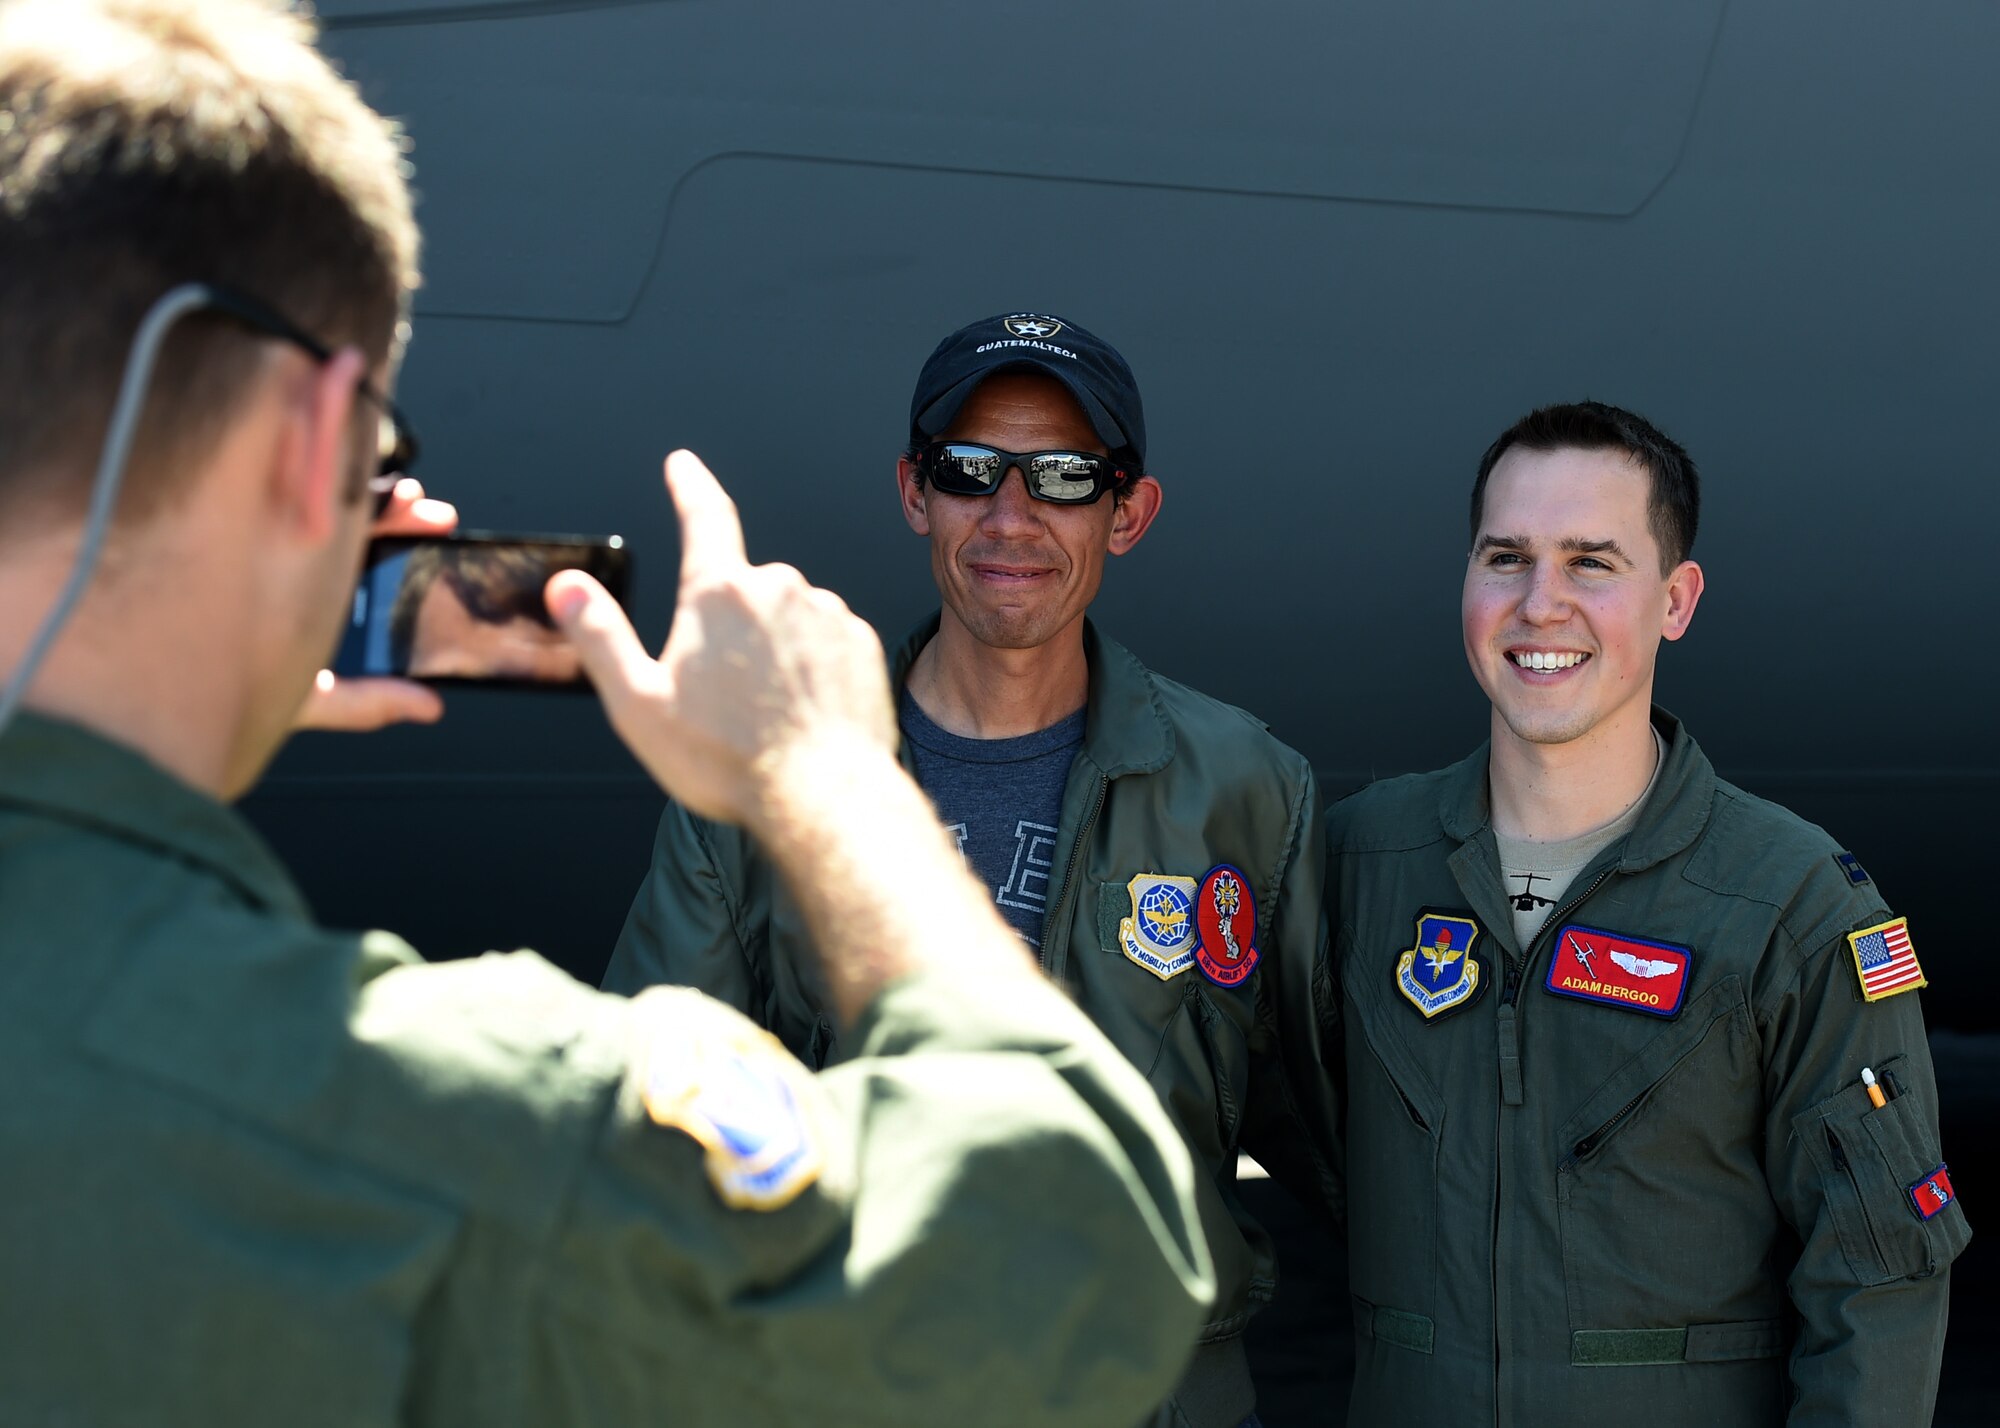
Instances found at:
x=1605 y=1020
x=1157 y=848
x=253 y=1171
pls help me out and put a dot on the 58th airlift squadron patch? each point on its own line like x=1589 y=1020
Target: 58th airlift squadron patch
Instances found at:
x=1225 y=917
x=1631 y=973
x=1160 y=933
x=1439 y=974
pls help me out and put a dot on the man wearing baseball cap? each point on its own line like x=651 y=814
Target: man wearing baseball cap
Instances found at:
x=1159 y=849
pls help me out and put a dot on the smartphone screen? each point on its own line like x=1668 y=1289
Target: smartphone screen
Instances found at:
x=468 y=608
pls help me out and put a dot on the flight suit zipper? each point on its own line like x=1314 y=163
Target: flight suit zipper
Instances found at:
x=1507 y=1037
x=1061 y=904
x=1597 y=1137
x=1589 y=1144
x=1516 y=968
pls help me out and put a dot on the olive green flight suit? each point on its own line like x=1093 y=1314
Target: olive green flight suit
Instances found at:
x=255 y=1172
x=1169 y=781
x=1565 y=1211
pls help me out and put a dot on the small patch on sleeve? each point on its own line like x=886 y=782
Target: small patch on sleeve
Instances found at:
x=1885 y=960
x=730 y=1085
x=1932 y=1193
x=1851 y=865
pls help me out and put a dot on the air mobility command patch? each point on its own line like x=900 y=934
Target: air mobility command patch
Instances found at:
x=1160 y=933
x=1440 y=974
x=1884 y=959
x=1631 y=973
x=1932 y=1193
x=739 y=1094
x=1225 y=917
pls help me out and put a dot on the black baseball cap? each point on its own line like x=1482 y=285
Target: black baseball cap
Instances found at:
x=1089 y=366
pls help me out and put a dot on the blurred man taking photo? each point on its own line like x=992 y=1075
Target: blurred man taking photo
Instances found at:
x=259 y=1172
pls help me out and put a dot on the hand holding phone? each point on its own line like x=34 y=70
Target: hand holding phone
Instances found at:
x=362 y=705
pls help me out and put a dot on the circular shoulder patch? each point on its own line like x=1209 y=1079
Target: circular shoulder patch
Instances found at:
x=711 y=1073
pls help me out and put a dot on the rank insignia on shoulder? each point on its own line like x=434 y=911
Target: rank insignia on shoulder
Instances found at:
x=1440 y=974
x=1884 y=959
x=1160 y=933
x=1932 y=1193
x=1631 y=973
x=1225 y=918
x=739 y=1094
x=1851 y=865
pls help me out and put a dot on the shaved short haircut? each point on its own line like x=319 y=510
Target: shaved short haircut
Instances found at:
x=1673 y=509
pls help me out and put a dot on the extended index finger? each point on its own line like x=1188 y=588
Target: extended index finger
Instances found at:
x=711 y=531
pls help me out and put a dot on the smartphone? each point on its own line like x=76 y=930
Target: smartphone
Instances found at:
x=467 y=608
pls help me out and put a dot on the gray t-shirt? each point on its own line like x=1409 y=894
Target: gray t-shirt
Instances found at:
x=1001 y=799
x=1538 y=874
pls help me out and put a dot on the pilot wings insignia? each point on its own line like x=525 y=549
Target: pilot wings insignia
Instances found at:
x=1641 y=967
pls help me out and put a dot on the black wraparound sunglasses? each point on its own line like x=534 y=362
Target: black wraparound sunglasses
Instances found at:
x=1066 y=478
x=395 y=440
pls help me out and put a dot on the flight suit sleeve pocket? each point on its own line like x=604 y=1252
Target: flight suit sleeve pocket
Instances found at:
x=1872 y=1164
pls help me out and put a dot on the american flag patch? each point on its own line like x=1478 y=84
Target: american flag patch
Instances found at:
x=1885 y=961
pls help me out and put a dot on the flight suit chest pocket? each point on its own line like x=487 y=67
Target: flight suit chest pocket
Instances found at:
x=1147 y=995
x=1396 y=1121
x=1884 y=1181
x=1660 y=1189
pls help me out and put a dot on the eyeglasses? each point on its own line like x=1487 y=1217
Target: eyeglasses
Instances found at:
x=1066 y=478
x=396 y=443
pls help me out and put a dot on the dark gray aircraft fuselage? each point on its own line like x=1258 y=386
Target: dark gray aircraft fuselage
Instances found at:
x=1343 y=245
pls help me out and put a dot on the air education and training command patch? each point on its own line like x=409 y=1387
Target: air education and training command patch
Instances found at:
x=1884 y=959
x=1160 y=933
x=732 y=1087
x=1225 y=916
x=1631 y=973
x=1439 y=974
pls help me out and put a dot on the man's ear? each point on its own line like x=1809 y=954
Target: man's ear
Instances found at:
x=910 y=491
x=311 y=482
x=1138 y=505
x=1684 y=589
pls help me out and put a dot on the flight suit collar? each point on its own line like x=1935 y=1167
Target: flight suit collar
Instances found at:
x=1673 y=818
x=1125 y=731
x=66 y=772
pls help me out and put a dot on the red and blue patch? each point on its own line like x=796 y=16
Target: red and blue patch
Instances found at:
x=1631 y=973
x=1932 y=1193
x=1225 y=916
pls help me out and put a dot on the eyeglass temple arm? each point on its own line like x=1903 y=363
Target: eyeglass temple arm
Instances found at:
x=172 y=306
